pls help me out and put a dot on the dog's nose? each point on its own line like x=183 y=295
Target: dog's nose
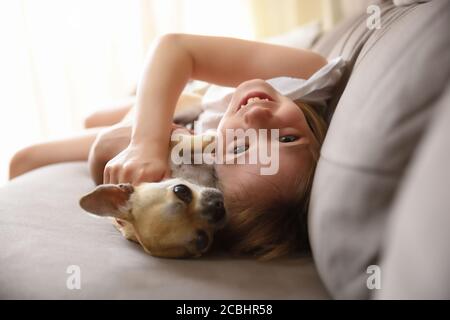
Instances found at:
x=217 y=210
x=214 y=208
x=183 y=193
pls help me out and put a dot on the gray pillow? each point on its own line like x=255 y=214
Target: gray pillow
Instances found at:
x=380 y=118
x=415 y=263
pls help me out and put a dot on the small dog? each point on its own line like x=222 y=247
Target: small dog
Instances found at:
x=174 y=218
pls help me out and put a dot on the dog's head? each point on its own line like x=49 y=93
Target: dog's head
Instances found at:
x=173 y=218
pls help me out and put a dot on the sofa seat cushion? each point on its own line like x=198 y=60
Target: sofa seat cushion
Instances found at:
x=43 y=232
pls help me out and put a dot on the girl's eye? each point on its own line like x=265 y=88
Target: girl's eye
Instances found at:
x=240 y=149
x=288 y=138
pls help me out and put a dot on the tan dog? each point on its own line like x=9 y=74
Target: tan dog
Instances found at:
x=172 y=218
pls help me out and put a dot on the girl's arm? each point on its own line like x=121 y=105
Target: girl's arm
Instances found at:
x=109 y=116
x=174 y=60
x=218 y=60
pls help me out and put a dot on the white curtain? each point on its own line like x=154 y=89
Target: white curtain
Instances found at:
x=62 y=59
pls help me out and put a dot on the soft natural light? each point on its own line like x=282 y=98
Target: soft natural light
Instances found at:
x=62 y=59
x=229 y=18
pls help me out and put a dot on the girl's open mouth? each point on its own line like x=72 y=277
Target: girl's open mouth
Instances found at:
x=254 y=97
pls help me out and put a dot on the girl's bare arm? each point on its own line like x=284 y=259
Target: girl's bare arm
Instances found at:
x=109 y=116
x=174 y=60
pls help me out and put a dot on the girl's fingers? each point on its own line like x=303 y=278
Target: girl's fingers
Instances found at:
x=142 y=177
x=106 y=176
x=146 y=175
x=114 y=175
x=126 y=175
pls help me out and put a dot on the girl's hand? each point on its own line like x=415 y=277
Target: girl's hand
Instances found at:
x=136 y=164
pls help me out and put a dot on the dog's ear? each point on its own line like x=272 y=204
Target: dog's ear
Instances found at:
x=110 y=200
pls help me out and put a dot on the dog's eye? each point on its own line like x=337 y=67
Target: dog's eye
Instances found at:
x=183 y=193
x=202 y=240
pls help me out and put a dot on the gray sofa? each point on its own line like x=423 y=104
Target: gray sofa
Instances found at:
x=381 y=194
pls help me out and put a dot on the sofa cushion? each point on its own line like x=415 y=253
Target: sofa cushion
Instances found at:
x=415 y=263
x=399 y=71
x=346 y=40
x=43 y=232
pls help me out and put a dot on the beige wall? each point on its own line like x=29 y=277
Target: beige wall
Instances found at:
x=272 y=17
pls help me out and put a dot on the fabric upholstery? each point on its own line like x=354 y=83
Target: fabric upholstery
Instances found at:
x=398 y=73
x=415 y=263
x=43 y=231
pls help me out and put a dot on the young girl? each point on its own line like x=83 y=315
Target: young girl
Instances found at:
x=267 y=213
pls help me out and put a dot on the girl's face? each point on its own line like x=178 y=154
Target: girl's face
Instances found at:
x=296 y=141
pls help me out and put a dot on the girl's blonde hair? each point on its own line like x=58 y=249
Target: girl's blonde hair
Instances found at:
x=270 y=232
